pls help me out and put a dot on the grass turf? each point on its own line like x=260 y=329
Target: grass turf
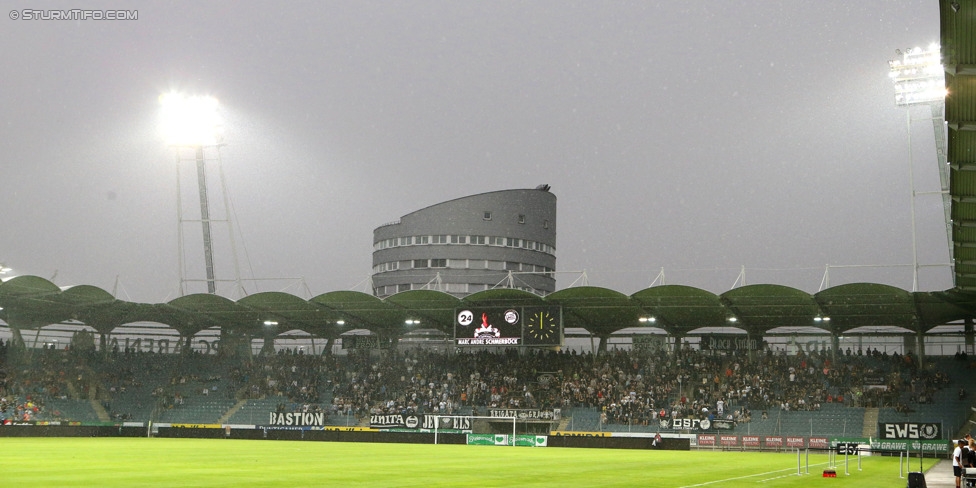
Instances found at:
x=223 y=462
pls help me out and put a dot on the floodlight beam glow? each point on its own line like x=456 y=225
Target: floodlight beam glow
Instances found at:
x=189 y=120
x=919 y=76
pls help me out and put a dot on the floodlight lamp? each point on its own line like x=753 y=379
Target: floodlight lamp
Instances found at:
x=340 y=322
x=919 y=76
x=733 y=319
x=189 y=120
x=270 y=323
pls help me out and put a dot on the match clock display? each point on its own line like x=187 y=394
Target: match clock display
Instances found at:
x=542 y=327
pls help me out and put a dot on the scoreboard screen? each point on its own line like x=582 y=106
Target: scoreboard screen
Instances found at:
x=512 y=326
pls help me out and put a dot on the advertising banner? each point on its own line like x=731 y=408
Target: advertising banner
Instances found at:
x=706 y=439
x=818 y=443
x=913 y=445
x=773 y=441
x=794 y=442
x=506 y=440
x=750 y=441
x=729 y=440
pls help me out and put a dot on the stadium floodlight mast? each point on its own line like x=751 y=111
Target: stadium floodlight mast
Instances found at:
x=919 y=79
x=193 y=123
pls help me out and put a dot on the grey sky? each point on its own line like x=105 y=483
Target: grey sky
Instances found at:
x=694 y=136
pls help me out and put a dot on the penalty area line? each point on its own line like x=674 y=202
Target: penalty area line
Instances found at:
x=738 y=478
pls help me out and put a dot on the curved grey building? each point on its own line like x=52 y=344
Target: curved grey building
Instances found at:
x=499 y=239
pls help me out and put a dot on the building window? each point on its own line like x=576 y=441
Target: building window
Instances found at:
x=420 y=263
x=405 y=241
x=405 y=287
x=457 y=263
x=459 y=239
x=438 y=263
x=521 y=218
x=478 y=240
x=487 y=215
x=511 y=266
x=439 y=240
x=497 y=241
x=513 y=242
x=545 y=224
x=421 y=239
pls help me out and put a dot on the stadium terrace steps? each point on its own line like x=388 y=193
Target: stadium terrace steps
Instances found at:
x=870 y=428
x=69 y=410
x=255 y=411
x=230 y=412
x=99 y=410
x=205 y=411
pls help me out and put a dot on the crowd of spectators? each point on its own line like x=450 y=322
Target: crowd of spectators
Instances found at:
x=626 y=387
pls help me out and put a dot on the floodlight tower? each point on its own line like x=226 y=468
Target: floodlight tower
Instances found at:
x=919 y=79
x=192 y=126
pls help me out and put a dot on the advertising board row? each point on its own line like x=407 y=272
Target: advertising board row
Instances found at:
x=506 y=440
x=899 y=445
x=762 y=441
x=800 y=442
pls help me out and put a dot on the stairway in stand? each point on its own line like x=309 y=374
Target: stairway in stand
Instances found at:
x=870 y=428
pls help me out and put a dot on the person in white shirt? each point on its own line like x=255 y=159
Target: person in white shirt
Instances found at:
x=957 y=461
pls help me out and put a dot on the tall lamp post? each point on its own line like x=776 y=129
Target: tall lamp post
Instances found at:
x=192 y=125
x=919 y=79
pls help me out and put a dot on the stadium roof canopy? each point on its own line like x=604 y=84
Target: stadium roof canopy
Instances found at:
x=958 y=19
x=30 y=302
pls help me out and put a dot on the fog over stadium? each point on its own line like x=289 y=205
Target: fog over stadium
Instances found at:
x=701 y=138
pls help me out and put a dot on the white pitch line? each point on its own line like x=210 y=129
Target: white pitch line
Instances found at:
x=791 y=470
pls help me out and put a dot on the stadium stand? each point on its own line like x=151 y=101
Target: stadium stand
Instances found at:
x=765 y=393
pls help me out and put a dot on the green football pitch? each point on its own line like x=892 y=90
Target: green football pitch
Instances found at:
x=224 y=462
